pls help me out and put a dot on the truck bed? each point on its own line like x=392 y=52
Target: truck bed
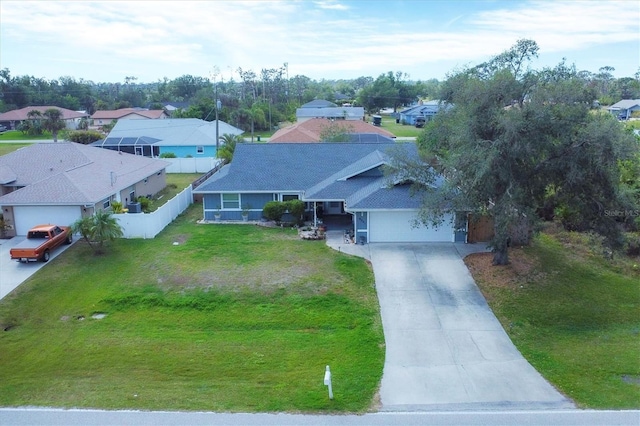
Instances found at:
x=30 y=243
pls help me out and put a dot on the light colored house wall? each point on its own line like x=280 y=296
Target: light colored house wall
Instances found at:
x=185 y=151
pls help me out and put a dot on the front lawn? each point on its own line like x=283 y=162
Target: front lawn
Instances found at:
x=8 y=147
x=398 y=129
x=203 y=317
x=17 y=135
x=573 y=314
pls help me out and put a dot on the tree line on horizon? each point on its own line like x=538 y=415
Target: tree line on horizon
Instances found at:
x=258 y=101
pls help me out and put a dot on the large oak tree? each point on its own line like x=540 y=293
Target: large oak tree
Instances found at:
x=511 y=138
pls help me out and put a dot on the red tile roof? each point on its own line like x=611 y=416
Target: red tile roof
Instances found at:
x=309 y=131
x=21 y=114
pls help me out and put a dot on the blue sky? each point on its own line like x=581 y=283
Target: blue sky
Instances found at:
x=106 y=41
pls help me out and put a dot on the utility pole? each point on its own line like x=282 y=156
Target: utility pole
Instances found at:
x=218 y=105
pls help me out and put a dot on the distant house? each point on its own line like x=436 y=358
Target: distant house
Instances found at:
x=60 y=183
x=624 y=109
x=343 y=181
x=12 y=119
x=425 y=110
x=103 y=117
x=309 y=131
x=325 y=109
x=184 y=137
x=171 y=107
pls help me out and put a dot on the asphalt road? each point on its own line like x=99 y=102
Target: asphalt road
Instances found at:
x=55 y=417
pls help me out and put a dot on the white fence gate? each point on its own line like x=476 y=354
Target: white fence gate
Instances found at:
x=148 y=225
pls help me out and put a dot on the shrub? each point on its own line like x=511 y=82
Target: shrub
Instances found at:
x=84 y=137
x=274 y=210
x=296 y=208
x=144 y=203
x=116 y=206
x=168 y=155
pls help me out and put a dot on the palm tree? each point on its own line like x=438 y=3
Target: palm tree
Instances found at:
x=97 y=229
x=229 y=146
x=53 y=122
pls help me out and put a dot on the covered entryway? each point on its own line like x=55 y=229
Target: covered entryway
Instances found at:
x=397 y=226
x=28 y=216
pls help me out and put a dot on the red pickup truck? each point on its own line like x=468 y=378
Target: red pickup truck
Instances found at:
x=40 y=241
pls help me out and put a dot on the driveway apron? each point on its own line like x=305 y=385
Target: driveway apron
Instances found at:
x=445 y=349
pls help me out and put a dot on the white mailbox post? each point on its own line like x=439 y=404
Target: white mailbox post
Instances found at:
x=327 y=381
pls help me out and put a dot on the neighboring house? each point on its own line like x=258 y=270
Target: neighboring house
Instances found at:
x=425 y=110
x=60 y=183
x=344 y=179
x=171 y=107
x=102 y=117
x=184 y=137
x=12 y=119
x=624 y=109
x=326 y=109
x=311 y=130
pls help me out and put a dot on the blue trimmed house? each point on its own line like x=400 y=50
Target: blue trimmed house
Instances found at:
x=338 y=179
x=184 y=137
x=425 y=110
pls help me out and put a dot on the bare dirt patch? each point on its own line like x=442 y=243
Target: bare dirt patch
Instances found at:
x=521 y=268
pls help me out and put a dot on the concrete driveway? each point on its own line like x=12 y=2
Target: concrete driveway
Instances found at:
x=13 y=273
x=445 y=350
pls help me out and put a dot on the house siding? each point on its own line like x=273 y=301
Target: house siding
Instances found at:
x=186 y=151
x=256 y=201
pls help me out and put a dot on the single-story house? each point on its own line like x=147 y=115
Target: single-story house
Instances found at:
x=102 y=117
x=625 y=108
x=325 y=109
x=184 y=137
x=311 y=130
x=424 y=110
x=333 y=179
x=60 y=183
x=12 y=119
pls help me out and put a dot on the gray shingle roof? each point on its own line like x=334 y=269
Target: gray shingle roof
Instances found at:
x=173 y=131
x=323 y=171
x=71 y=173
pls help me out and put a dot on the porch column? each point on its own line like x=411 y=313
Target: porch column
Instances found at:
x=315 y=217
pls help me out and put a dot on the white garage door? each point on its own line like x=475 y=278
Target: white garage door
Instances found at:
x=27 y=217
x=391 y=227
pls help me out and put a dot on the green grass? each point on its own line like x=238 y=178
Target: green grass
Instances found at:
x=176 y=183
x=233 y=318
x=16 y=135
x=400 y=130
x=576 y=317
x=6 y=148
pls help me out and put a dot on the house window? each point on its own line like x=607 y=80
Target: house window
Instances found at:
x=106 y=203
x=289 y=197
x=230 y=201
x=200 y=149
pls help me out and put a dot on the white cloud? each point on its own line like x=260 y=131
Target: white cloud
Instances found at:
x=323 y=39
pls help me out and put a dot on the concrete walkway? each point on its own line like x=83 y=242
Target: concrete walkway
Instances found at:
x=445 y=349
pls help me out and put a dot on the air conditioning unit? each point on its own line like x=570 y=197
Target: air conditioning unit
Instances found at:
x=134 y=208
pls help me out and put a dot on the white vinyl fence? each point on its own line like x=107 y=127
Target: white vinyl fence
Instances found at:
x=148 y=225
x=191 y=165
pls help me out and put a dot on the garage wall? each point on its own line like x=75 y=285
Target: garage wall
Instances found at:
x=396 y=226
x=28 y=216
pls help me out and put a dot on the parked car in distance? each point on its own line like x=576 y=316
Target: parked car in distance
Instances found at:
x=420 y=121
x=2 y=128
x=40 y=242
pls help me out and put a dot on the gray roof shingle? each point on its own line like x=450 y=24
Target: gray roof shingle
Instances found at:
x=323 y=171
x=71 y=173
